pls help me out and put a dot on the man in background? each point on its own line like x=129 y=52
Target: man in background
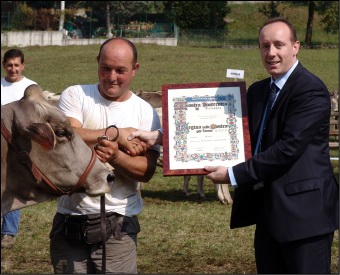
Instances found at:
x=13 y=86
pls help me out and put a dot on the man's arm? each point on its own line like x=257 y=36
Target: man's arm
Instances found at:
x=139 y=168
x=132 y=147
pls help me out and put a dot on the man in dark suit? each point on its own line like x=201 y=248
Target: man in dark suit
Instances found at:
x=287 y=188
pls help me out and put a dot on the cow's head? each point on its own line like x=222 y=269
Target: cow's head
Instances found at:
x=44 y=132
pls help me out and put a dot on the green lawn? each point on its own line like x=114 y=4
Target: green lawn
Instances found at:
x=179 y=234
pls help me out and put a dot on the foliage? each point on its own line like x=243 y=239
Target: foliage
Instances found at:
x=297 y=14
x=42 y=4
x=123 y=9
x=198 y=14
x=154 y=7
x=46 y=19
x=116 y=12
x=208 y=15
x=330 y=12
x=23 y=18
x=270 y=10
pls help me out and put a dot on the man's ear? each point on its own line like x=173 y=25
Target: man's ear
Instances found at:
x=296 y=47
x=135 y=67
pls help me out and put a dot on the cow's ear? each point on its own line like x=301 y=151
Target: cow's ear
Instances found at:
x=43 y=134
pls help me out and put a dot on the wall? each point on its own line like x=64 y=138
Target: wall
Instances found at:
x=56 y=38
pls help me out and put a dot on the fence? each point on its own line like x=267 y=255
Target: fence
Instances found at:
x=58 y=38
x=142 y=30
x=221 y=38
x=85 y=28
x=334 y=132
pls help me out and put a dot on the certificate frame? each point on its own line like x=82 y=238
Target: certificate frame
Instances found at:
x=226 y=103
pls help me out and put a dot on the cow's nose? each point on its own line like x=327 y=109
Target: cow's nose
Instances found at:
x=110 y=177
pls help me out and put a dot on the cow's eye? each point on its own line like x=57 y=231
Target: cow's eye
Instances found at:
x=60 y=133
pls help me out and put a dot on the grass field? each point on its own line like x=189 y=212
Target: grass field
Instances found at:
x=180 y=235
x=56 y=67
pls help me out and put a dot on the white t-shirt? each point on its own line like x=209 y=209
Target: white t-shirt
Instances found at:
x=85 y=103
x=13 y=91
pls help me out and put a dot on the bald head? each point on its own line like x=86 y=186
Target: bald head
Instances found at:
x=117 y=41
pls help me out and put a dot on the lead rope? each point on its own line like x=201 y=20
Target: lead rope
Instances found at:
x=103 y=231
x=102 y=206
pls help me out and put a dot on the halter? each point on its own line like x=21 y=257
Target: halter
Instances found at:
x=25 y=159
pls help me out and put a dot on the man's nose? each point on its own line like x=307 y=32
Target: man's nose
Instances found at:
x=272 y=51
x=113 y=75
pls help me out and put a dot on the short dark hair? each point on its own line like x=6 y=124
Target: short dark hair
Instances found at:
x=132 y=46
x=13 y=53
x=293 y=36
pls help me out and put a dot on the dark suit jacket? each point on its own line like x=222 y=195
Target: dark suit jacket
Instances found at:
x=300 y=197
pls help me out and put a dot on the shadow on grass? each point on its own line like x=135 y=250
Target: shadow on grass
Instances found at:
x=179 y=196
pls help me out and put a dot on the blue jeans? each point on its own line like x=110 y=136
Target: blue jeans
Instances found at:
x=10 y=223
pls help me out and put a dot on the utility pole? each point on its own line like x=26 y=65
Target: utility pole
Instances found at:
x=108 y=21
x=62 y=15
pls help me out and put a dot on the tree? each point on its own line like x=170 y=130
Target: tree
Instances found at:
x=197 y=14
x=330 y=12
x=309 y=28
x=115 y=10
x=24 y=17
x=270 y=10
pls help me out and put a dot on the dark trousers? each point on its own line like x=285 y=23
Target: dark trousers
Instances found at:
x=306 y=256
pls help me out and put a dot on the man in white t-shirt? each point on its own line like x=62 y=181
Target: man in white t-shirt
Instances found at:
x=96 y=110
x=13 y=86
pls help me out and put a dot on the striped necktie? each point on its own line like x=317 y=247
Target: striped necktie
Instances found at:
x=271 y=100
x=266 y=115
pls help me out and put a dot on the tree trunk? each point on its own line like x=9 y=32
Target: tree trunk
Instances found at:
x=309 y=30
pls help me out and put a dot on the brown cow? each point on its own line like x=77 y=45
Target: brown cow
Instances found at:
x=48 y=148
x=334 y=100
x=154 y=98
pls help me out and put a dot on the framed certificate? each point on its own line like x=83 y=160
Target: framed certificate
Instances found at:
x=204 y=124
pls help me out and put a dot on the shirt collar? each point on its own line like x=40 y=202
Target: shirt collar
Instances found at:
x=280 y=81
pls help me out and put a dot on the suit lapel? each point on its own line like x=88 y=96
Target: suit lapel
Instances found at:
x=261 y=100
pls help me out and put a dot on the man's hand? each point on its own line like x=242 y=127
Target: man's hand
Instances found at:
x=151 y=138
x=106 y=150
x=134 y=147
x=218 y=174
